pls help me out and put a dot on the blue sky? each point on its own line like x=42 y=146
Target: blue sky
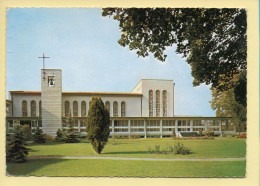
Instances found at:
x=84 y=45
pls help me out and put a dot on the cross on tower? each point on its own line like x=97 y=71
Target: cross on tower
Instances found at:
x=43 y=59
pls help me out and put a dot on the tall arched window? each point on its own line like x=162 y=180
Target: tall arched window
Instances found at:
x=115 y=108
x=83 y=108
x=107 y=105
x=40 y=108
x=164 y=103
x=75 y=108
x=67 y=108
x=157 y=103
x=33 y=108
x=24 y=108
x=150 y=103
x=123 y=112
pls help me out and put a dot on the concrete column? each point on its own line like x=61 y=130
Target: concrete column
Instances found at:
x=161 y=128
x=176 y=126
x=191 y=125
x=129 y=128
x=78 y=125
x=113 y=127
x=145 y=135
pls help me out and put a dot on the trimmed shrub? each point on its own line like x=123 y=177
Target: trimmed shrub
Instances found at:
x=16 y=151
x=97 y=124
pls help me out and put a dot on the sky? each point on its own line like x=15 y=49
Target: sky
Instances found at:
x=84 y=45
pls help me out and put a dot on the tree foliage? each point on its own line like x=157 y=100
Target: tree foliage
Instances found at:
x=38 y=136
x=70 y=136
x=214 y=41
x=225 y=103
x=97 y=124
x=59 y=135
x=16 y=151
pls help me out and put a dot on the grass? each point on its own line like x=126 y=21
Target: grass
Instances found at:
x=124 y=168
x=216 y=148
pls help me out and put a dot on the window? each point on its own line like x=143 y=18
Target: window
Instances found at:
x=67 y=108
x=164 y=103
x=150 y=103
x=157 y=103
x=24 y=108
x=107 y=105
x=82 y=123
x=169 y=123
x=137 y=123
x=121 y=123
x=40 y=108
x=33 y=108
x=75 y=108
x=7 y=107
x=123 y=109
x=83 y=108
x=115 y=108
x=51 y=81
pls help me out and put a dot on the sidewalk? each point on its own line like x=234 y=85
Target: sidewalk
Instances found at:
x=142 y=159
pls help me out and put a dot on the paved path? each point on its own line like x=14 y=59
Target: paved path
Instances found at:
x=145 y=159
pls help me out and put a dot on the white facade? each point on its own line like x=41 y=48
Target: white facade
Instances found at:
x=148 y=110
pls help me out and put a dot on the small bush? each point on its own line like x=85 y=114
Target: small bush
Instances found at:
x=157 y=149
x=48 y=137
x=200 y=131
x=179 y=148
x=173 y=133
x=209 y=133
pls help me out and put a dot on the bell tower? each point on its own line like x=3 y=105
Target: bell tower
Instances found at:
x=51 y=97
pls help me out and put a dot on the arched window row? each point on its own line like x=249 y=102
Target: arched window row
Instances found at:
x=157 y=102
x=32 y=108
x=150 y=103
x=84 y=108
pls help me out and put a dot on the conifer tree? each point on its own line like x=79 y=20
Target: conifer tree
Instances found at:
x=59 y=135
x=70 y=137
x=16 y=151
x=97 y=124
x=38 y=136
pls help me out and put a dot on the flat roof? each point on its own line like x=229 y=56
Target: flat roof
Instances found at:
x=79 y=93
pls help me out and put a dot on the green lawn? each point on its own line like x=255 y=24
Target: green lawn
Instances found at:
x=124 y=168
x=222 y=147
x=217 y=148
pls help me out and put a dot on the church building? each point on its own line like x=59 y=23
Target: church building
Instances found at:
x=146 y=111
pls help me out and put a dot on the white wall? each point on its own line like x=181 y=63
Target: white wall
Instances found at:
x=133 y=104
x=17 y=103
x=156 y=84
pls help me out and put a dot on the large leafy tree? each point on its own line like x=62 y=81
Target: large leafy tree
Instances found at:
x=97 y=124
x=225 y=102
x=214 y=41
